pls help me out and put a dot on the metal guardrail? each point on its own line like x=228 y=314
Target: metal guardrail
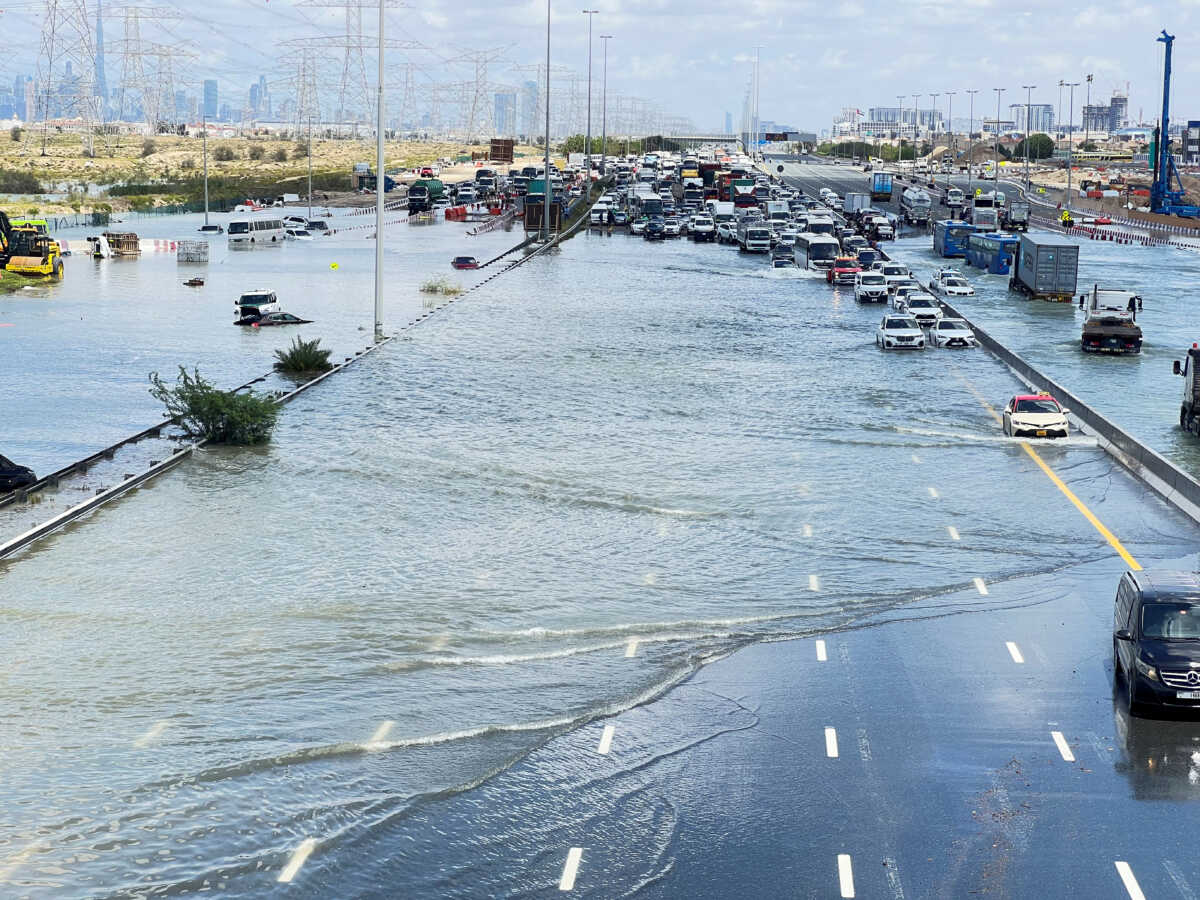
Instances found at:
x=1175 y=485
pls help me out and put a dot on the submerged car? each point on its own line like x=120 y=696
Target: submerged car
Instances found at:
x=952 y=333
x=1035 y=415
x=13 y=476
x=465 y=262
x=280 y=318
x=897 y=332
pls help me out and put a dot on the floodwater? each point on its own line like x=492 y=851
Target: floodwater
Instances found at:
x=548 y=502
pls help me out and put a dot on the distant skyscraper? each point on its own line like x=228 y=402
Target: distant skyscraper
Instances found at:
x=101 y=78
x=1041 y=116
x=18 y=90
x=506 y=113
x=210 y=99
x=264 y=97
x=255 y=99
x=529 y=107
x=729 y=123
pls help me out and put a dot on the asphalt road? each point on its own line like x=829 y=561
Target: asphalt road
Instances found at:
x=970 y=743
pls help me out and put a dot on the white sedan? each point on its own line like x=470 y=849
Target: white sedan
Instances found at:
x=955 y=287
x=1035 y=415
x=923 y=308
x=899 y=332
x=952 y=333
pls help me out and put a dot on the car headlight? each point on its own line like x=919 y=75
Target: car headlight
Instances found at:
x=1145 y=668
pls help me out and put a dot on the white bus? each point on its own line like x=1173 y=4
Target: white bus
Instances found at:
x=816 y=251
x=255 y=231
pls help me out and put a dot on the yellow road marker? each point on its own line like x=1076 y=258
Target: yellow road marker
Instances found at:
x=1058 y=483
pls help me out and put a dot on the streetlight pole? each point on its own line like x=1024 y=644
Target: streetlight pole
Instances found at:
x=604 y=109
x=916 y=128
x=1058 y=115
x=933 y=135
x=1070 y=141
x=310 y=167
x=546 y=193
x=900 y=133
x=971 y=138
x=380 y=179
x=996 y=173
x=1087 y=125
x=588 y=164
x=953 y=136
x=1028 y=124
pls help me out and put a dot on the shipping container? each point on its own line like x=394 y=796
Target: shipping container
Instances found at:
x=1046 y=267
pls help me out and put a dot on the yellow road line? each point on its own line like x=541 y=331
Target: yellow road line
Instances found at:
x=1058 y=483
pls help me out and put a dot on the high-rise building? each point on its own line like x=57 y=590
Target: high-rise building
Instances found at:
x=506 y=113
x=255 y=99
x=1041 y=117
x=1118 y=112
x=210 y=99
x=729 y=123
x=529 y=109
x=30 y=99
x=101 y=78
x=264 y=97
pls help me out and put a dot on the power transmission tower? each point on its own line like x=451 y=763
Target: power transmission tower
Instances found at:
x=66 y=68
x=304 y=85
x=147 y=66
x=356 y=98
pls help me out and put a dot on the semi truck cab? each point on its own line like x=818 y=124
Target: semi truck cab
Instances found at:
x=1189 y=406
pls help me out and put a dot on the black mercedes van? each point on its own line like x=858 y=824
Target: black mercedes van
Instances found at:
x=1156 y=639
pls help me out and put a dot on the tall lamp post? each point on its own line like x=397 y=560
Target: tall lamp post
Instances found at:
x=380 y=180
x=1070 y=140
x=971 y=138
x=604 y=109
x=996 y=174
x=916 y=128
x=1058 y=114
x=546 y=192
x=900 y=133
x=953 y=136
x=1087 y=124
x=588 y=164
x=1028 y=123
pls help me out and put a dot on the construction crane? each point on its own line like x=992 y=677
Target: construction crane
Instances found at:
x=1164 y=199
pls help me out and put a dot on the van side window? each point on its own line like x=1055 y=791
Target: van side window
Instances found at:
x=1125 y=598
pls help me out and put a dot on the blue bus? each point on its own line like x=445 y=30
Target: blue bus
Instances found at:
x=993 y=252
x=950 y=237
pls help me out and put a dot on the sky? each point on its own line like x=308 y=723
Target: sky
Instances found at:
x=695 y=59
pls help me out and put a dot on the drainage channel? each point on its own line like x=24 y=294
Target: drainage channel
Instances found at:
x=40 y=509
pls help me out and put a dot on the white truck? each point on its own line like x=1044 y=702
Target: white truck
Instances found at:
x=776 y=210
x=854 y=202
x=754 y=236
x=954 y=200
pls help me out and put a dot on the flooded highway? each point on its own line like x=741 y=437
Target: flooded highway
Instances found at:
x=638 y=572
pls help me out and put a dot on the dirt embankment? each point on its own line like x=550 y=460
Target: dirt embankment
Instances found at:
x=60 y=165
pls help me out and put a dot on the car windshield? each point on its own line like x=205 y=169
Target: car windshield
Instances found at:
x=894 y=270
x=953 y=282
x=951 y=325
x=871 y=279
x=1036 y=405
x=900 y=323
x=921 y=302
x=1171 y=621
x=239 y=227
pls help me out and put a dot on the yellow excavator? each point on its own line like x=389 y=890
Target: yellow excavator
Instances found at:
x=26 y=250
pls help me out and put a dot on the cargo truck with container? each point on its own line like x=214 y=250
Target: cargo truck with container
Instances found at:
x=881 y=185
x=854 y=203
x=1046 y=267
